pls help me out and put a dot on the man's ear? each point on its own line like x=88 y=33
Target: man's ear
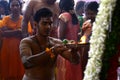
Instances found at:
x=35 y=24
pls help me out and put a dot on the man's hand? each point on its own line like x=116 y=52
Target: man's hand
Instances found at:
x=59 y=48
x=87 y=28
x=87 y=24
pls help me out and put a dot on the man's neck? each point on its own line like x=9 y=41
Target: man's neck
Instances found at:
x=42 y=39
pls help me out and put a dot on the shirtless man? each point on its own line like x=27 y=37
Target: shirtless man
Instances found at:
x=35 y=5
x=39 y=52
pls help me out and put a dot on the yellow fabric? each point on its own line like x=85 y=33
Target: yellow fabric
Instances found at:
x=1 y=24
x=6 y=21
x=30 y=30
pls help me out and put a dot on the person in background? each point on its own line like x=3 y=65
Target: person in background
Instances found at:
x=2 y=11
x=40 y=51
x=11 y=67
x=3 y=8
x=79 y=9
x=21 y=5
x=90 y=10
x=4 y=3
x=68 y=29
x=31 y=9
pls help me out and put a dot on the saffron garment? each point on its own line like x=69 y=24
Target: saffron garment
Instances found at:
x=11 y=67
x=65 y=69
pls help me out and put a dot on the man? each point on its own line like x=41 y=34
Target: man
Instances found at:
x=39 y=52
x=35 y=5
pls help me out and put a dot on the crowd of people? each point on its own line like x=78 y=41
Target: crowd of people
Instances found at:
x=31 y=42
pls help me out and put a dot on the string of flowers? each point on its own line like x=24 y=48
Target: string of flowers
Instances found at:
x=97 y=41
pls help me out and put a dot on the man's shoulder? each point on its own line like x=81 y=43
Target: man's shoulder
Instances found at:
x=55 y=40
x=27 y=39
x=34 y=2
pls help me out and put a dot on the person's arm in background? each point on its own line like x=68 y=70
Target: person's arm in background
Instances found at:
x=62 y=27
x=26 y=18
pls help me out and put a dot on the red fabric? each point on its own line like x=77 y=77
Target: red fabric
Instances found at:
x=73 y=72
x=11 y=67
x=61 y=70
x=65 y=69
x=112 y=72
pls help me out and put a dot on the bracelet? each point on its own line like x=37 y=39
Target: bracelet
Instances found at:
x=50 y=52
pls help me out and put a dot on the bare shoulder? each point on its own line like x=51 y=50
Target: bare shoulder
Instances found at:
x=65 y=16
x=26 y=40
x=55 y=40
x=31 y=3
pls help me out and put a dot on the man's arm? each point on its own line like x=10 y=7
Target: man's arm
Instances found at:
x=29 y=60
x=71 y=55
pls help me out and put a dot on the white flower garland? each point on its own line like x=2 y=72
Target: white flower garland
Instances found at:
x=100 y=26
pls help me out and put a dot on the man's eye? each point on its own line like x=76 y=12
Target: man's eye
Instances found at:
x=50 y=23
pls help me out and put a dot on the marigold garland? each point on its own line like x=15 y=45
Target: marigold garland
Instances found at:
x=50 y=52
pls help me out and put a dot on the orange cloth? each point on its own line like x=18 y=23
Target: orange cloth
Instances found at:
x=6 y=22
x=11 y=67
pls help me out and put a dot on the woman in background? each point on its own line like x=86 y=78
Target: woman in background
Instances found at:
x=79 y=9
x=68 y=29
x=11 y=67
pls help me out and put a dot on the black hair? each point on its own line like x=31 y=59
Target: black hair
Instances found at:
x=80 y=4
x=68 y=5
x=93 y=6
x=44 y=12
x=4 y=4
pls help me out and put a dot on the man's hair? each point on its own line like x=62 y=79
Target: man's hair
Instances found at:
x=43 y=12
x=93 y=6
x=66 y=5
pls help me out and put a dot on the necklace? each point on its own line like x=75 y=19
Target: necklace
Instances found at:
x=42 y=46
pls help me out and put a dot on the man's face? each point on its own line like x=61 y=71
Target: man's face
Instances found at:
x=90 y=15
x=44 y=26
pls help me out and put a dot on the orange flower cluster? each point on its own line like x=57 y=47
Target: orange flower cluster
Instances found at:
x=50 y=52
